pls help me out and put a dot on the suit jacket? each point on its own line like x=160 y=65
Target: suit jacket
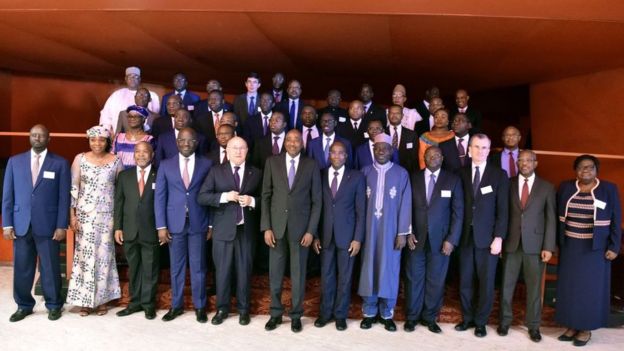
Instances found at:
x=202 y=107
x=364 y=158
x=134 y=213
x=408 y=149
x=422 y=109
x=474 y=116
x=189 y=101
x=161 y=125
x=451 y=160
x=172 y=198
x=263 y=149
x=422 y=127
x=376 y=112
x=337 y=112
x=315 y=151
x=215 y=155
x=355 y=137
x=241 y=108
x=167 y=147
x=299 y=208
x=488 y=211
x=204 y=125
x=344 y=217
x=253 y=129
x=44 y=206
x=284 y=108
x=537 y=223
x=443 y=217
x=223 y=215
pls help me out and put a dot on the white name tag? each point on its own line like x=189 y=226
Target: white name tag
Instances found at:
x=446 y=193
x=600 y=204
x=486 y=189
x=342 y=119
x=366 y=135
x=409 y=145
x=190 y=107
x=153 y=186
x=48 y=175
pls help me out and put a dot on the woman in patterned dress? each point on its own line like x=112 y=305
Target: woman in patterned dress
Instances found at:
x=125 y=141
x=590 y=222
x=94 y=279
x=438 y=134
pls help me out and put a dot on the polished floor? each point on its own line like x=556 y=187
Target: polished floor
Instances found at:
x=134 y=332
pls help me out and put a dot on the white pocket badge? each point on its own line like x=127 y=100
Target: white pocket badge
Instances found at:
x=48 y=175
x=486 y=190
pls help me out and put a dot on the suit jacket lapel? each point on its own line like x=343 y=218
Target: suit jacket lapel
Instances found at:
x=420 y=183
x=437 y=187
x=151 y=177
x=246 y=176
x=346 y=179
x=514 y=192
x=297 y=171
x=44 y=165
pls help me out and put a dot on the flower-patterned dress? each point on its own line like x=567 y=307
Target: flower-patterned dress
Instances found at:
x=94 y=279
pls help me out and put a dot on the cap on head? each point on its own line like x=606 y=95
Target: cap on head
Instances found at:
x=133 y=70
x=383 y=138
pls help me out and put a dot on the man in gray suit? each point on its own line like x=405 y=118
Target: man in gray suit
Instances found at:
x=291 y=208
x=530 y=242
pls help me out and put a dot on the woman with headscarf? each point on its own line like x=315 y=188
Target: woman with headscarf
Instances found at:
x=125 y=141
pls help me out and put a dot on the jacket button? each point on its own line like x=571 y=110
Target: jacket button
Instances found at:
x=286 y=211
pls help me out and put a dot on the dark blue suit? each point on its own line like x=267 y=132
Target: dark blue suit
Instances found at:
x=343 y=221
x=364 y=158
x=177 y=210
x=35 y=212
x=190 y=99
x=167 y=147
x=315 y=151
x=284 y=108
x=433 y=223
x=485 y=217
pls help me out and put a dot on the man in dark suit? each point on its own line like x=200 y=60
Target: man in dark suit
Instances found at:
x=344 y=216
x=319 y=148
x=437 y=216
x=309 y=129
x=202 y=105
x=371 y=110
x=364 y=154
x=271 y=144
x=474 y=116
x=35 y=216
x=166 y=123
x=246 y=105
x=183 y=223
x=427 y=122
x=292 y=107
x=189 y=99
x=507 y=159
x=219 y=155
x=291 y=208
x=403 y=139
x=232 y=189
x=334 y=97
x=257 y=126
x=354 y=128
x=486 y=204
x=455 y=151
x=529 y=244
x=206 y=123
x=277 y=92
x=167 y=146
x=135 y=230
x=423 y=106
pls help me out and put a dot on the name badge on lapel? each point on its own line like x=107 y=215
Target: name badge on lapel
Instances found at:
x=409 y=145
x=48 y=175
x=366 y=135
x=153 y=186
x=600 y=204
x=486 y=190
x=446 y=193
x=342 y=119
x=190 y=107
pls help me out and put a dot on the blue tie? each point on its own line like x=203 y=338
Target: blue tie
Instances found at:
x=291 y=174
x=326 y=150
x=430 y=188
x=293 y=115
x=252 y=106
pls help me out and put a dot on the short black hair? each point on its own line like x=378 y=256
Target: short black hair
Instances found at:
x=254 y=75
x=584 y=157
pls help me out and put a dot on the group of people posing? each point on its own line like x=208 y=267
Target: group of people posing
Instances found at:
x=396 y=187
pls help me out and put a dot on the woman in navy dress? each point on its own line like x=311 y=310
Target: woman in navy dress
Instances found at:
x=589 y=239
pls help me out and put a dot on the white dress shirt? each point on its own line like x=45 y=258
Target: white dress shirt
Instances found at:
x=241 y=172
x=481 y=169
x=314 y=132
x=428 y=174
x=330 y=175
x=288 y=158
x=191 y=165
x=521 y=179
x=331 y=139
x=146 y=175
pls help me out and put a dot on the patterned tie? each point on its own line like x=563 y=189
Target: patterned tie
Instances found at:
x=141 y=181
x=334 y=184
x=185 y=174
x=239 y=210
x=512 y=166
x=252 y=106
x=216 y=122
x=35 y=169
x=524 y=198
x=395 y=139
x=308 y=138
x=291 y=174
x=430 y=188
x=225 y=159
x=326 y=149
x=293 y=116
x=476 y=181
x=265 y=125
x=461 y=151
x=275 y=150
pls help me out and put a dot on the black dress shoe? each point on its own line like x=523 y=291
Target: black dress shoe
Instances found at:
x=341 y=324
x=535 y=335
x=480 y=331
x=502 y=330
x=567 y=337
x=320 y=322
x=128 y=311
x=295 y=325
x=219 y=317
x=410 y=325
x=464 y=326
x=19 y=315
x=244 y=319
x=433 y=327
x=172 y=314
x=367 y=322
x=150 y=313
x=388 y=324
x=201 y=315
x=273 y=323
x=54 y=314
x=580 y=342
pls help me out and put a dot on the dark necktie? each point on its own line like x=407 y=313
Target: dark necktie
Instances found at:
x=252 y=106
x=461 y=151
x=180 y=95
x=334 y=184
x=265 y=125
x=308 y=138
x=512 y=166
x=430 y=188
x=476 y=181
x=395 y=139
x=141 y=182
x=326 y=149
x=293 y=115
x=275 y=150
x=239 y=210
x=524 y=198
x=355 y=126
x=225 y=159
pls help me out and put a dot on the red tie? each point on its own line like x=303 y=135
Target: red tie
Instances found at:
x=524 y=198
x=512 y=166
x=141 y=182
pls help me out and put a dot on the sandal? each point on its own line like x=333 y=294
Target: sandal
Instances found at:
x=85 y=312
x=101 y=310
x=581 y=338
